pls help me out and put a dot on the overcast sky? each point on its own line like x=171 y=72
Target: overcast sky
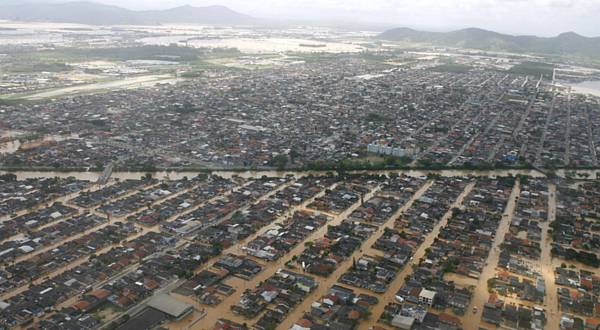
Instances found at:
x=539 y=17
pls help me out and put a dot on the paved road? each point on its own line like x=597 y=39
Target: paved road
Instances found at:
x=547 y=266
x=389 y=295
x=223 y=309
x=481 y=294
x=568 y=133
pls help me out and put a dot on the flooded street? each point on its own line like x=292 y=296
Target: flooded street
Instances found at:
x=460 y=280
x=480 y=295
x=259 y=45
x=587 y=87
x=176 y=175
x=548 y=264
x=389 y=295
x=141 y=230
x=223 y=309
x=15 y=144
x=326 y=283
x=279 y=165
x=204 y=317
x=63 y=268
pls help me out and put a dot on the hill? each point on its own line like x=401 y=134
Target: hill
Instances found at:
x=569 y=43
x=100 y=14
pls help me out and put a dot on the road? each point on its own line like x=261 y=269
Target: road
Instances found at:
x=366 y=249
x=491 y=125
x=547 y=264
x=568 y=133
x=223 y=309
x=466 y=112
x=389 y=295
x=481 y=294
x=591 y=138
x=538 y=154
x=141 y=231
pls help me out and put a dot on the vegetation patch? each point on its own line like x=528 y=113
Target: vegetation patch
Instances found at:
x=453 y=68
x=534 y=69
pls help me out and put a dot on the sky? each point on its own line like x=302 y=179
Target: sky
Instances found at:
x=535 y=17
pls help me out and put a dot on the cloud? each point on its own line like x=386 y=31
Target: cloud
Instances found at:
x=542 y=17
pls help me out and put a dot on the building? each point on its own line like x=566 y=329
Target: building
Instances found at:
x=426 y=297
x=403 y=322
x=172 y=307
x=148 y=319
x=391 y=151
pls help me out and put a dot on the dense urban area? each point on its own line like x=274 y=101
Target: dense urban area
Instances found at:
x=347 y=111
x=309 y=179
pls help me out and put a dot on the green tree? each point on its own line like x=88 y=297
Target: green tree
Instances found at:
x=279 y=161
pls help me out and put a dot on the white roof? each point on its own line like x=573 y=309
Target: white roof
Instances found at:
x=169 y=305
x=427 y=294
x=269 y=295
x=404 y=322
x=26 y=248
x=6 y=251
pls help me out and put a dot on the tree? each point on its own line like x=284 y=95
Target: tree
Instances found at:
x=279 y=161
x=294 y=153
x=9 y=177
x=456 y=211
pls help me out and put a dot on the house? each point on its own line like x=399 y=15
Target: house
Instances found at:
x=426 y=297
x=403 y=322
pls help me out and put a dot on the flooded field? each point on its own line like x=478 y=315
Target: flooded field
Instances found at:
x=9 y=147
x=460 y=279
x=125 y=83
x=587 y=87
x=14 y=144
x=260 y=45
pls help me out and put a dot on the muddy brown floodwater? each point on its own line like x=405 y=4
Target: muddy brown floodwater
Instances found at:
x=390 y=293
x=176 y=175
x=270 y=268
x=481 y=294
x=204 y=317
x=547 y=265
x=326 y=283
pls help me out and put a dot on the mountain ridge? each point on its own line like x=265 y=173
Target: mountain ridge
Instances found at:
x=84 y=12
x=567 y=43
